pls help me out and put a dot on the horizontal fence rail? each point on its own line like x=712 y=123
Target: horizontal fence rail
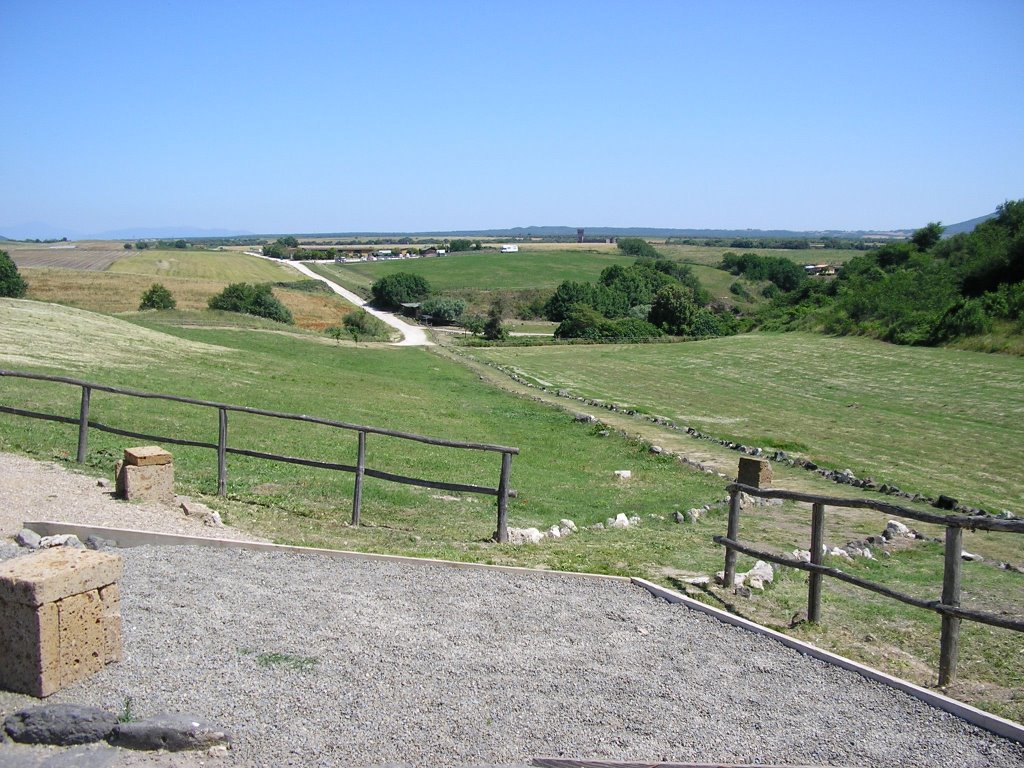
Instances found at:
x=503 y=492
x=947 y=606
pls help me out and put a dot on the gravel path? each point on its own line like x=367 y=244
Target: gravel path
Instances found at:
x=316 y=662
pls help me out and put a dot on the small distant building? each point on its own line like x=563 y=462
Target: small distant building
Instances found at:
x=510 y=249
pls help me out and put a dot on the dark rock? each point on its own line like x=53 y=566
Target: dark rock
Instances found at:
x=96 y=542
x=27 y=538
x=944 y=502
x=743 y=592
x=62 y=725
x=810 y=465
x=174 y=733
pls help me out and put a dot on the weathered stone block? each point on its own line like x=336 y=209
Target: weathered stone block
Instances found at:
x=146 y=456
x=146 y=483
x=59 y=618
x=755 y=472
x=53 y=574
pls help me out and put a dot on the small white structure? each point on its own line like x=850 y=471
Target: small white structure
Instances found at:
x=510 y=249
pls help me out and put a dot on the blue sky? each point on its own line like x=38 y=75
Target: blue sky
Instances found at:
x=384 y=116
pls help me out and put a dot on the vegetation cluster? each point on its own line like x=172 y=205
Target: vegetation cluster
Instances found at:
x=252 y=299
x=12 y=284
x=927 y=291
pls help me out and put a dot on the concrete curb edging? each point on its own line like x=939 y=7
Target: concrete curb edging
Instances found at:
x=997 y=725
x=128 y=537
x=136 y=538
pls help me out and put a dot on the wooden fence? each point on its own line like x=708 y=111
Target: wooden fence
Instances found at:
x=503 y=492
x=948 y=606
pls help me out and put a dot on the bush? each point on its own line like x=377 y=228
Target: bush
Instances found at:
x=362 y=325
x=157 y=297
x=391 y=291
x=443 y=311
x=251 y=300
x=11 y=283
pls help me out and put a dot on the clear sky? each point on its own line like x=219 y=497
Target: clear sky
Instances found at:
x=401 y=116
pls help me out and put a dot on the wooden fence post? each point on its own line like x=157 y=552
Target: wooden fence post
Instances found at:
x=83 y=425
x=506 y=468
x=222 y=453
x=950 y=642
x=357 y=494
x=732 y=533
x=817 y=557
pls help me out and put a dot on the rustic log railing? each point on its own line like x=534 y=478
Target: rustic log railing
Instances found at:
x=948 y=606
x=503 y=492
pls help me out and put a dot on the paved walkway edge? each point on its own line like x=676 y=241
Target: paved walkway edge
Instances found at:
x=997 y=725
x=127 y=537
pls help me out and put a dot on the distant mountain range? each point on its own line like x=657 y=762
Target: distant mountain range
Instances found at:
x=44 y=231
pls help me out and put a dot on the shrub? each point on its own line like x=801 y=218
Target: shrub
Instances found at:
x=11 y=283
x=362 y=325
x=251 y=300
x=399 y=288
x=157 y=297
x=443 y=311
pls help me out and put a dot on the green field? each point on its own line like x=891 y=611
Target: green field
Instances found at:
x=929 y=420
x=460 y=272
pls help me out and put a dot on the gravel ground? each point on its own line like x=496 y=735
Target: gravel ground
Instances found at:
x=315 y=662
x=37 y=490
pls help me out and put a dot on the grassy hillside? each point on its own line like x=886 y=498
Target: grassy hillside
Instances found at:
x=565 y=469
x=216 y=266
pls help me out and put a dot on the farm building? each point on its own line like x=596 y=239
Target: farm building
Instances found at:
x=510 y=249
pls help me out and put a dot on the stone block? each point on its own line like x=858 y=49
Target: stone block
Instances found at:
x=755 y=472
x=154 y=482
x=53 y=574
x=146 y=456
x=59 y=618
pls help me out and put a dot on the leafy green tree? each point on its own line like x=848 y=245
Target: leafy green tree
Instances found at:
x=157 y=297
x=638 y=248
x=927 y=236
x=127 y=246
x=275 y=251
x=12 y=285
x=460 y=244
x=398 y=288
x=674 y=310
x=180 y=244
x=141 y=245
x=288 y=242
x=494 y=328
x=249 y=299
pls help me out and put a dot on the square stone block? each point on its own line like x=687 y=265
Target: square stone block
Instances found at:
x=60 y=618
x=755 y=472
x=147 y=455
x=152 y=482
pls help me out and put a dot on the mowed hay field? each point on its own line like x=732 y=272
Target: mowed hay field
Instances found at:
x=928 y=420
x=192 y=277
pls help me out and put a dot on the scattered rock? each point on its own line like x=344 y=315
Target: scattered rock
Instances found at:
x=97 y=542
x=969 y=556
x=839 y=552
x=698 y=581
x=174 y=733
x=585 y=418
x=944 y=502
x=803 y=555
x=103 y=483
x=894 y=529
x=623 y=474
x=762 y=573
x=61 y=725
x=596 y=527
x=657 y=449
x=28 y=538
x=567 y=523
x=524 y=536
x=742 y=591
x=212 y=519
x=604 y=433
x=678 y=516
x=553 y=532
x=61 y=540
x=619 y=521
